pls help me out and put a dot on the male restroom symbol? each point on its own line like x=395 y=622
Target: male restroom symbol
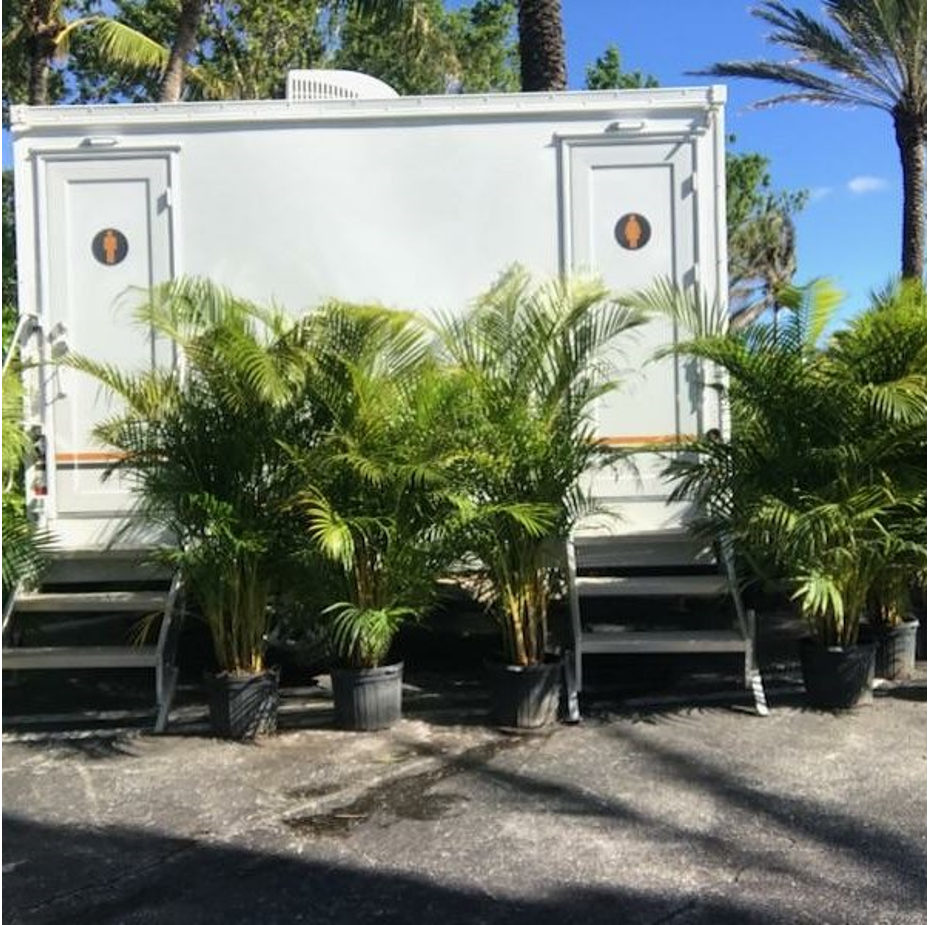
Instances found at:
x=110 y=247
x=632 y=231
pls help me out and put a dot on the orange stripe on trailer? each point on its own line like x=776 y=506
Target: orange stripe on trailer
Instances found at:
x=645 y=439
x=88 y=457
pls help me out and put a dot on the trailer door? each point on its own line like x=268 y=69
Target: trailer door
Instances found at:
x=631 y=218
x=109 y=238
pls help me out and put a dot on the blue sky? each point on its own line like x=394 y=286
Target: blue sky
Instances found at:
x=847 y=159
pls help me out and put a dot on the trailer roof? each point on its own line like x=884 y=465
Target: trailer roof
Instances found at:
x=475 y=106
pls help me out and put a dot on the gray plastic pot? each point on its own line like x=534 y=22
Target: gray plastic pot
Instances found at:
x=243 y=706
x=524 y=696
x=837 y=678
x=896 y=655
x=366 y=699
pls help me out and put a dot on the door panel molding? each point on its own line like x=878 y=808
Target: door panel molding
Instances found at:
x=79 y=193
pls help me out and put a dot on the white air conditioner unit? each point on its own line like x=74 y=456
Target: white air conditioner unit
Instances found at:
x=336 y=85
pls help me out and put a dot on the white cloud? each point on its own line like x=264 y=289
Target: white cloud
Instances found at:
x=820 y=192
x=865 y=184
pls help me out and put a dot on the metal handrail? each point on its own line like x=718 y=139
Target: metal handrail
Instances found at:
x=24 y=327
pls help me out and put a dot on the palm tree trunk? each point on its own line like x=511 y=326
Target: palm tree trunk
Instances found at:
x=911 y=135
x=43 y=28
x=542 y=45
x=38 y=74
x=184 y=42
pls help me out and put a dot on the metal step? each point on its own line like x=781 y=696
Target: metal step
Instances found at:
x=663 y=549
x=95 y=566
x=706 y=586
x=84 y=602
x=618 y=642
x=77 y=657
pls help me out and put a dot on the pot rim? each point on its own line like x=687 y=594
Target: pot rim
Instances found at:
x=393 y=668
x=551 y=661
x=232 y=676
x=812 y=643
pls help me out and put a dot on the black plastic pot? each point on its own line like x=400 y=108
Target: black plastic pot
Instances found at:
x=524 y=696
x=367 y=698
x=896 y=652
x=837 y=678
x=243 y=706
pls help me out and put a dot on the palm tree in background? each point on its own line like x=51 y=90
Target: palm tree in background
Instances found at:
x=185 y=41
x=763 y=264
x=36 y=33
x=542 y=45
x=877 y=53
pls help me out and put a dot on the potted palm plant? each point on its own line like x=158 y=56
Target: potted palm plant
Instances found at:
x=827 y=549
x=375 y=493
x=822 y=482
x=200 y=444
x=880 y=362
x=530 y=362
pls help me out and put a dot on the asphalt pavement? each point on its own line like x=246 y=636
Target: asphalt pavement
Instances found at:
x=661 y=811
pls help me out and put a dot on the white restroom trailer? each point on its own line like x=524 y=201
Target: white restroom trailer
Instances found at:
x=416 y=202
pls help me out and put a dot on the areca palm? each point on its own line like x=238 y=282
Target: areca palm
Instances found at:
x=200 y=445
x=376 y=491
x=530 y=363
x=24 y=547
x=823 y=479
x=870 y=53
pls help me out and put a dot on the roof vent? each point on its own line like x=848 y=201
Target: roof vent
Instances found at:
x=336 y=85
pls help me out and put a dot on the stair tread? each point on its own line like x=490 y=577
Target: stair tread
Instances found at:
x=651 y=586
x=34 y=601
x=620 y=641
x=79 y=656
x=664 y=548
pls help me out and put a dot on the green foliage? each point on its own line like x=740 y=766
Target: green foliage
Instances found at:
x=760 y=236
x=529 y=364
x=252 y=45
x=823 y=480
x=470 y=50
x=363 y=636
x=606 y=73
x=376 y=492
x=201 y=445
x=24 y=548
x=16 y=56
x=39 y=34
x=245 y=49
x=420 y=61
x=482 y=36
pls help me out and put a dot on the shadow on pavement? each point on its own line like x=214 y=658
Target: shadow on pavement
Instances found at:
x=110 y=876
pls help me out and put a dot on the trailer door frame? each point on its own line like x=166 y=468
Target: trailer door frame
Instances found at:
x=80 y=196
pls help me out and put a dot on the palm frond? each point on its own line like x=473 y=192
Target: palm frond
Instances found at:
x=124 y=46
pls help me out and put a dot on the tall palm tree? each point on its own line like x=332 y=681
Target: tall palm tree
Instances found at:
x=39 y=33
x=542 y=45
x=185 y=40
x=877 y=51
